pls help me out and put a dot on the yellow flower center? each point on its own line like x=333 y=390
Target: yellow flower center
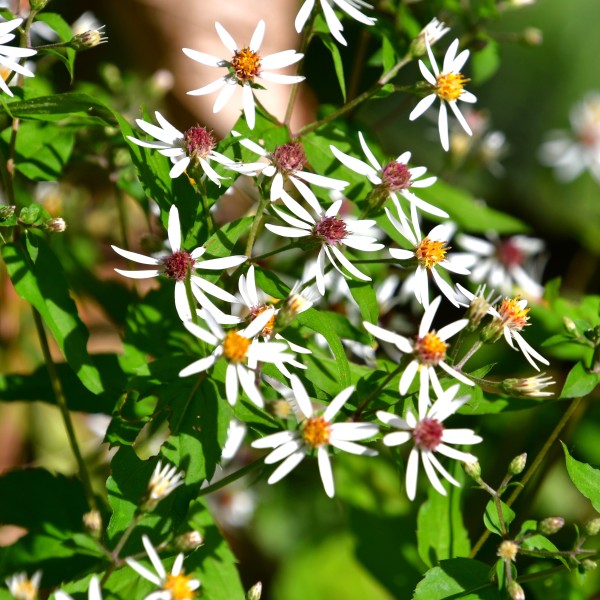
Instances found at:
x=25 y=590
x=235 y=346
x=429 y=252
x=179 y=586
x=430 y=349
x=449 y=86
x=246 y=65
x=316 y=431
x=508 y=550
x=512 y=315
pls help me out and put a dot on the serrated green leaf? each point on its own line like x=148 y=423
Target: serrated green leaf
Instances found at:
x=580 y=382
x=456 y=578
x=491 y=519
x=585 y=478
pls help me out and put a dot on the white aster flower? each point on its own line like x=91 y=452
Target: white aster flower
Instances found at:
x=571 y=153
x=254 y=300
x=394 y=178
x=179 y=265
x=430 y=252
x=350 y=7
x=504 y=263
x=22 y=587
x=429 y=350
x=329 y=231
x=9 y=55
x=241 y=351
x=243 y=68
x=315 y=433
x=509 y=320
x=430 y=436
x=94 y=591
x=195 y=146
x=448 y=86
x=175 y=585
x=286 y=163
x=163 y=481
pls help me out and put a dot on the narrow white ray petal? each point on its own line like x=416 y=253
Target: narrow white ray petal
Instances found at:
x=452 y=329
x=274 y=440
x=248 y=384
x=421 y=107
x=325 y=471
x=459 y=62
x=408 y=376
x=354 y=164
x=468 y=97
x=370 y=156
x=287 y=231
x=348 y=265
x=460 y=436
x=431 y=474
x=289 y=464
x=307 y=194
x=135 y=257
x=231 y=384
x=139 y=274
x=333 y=210
x=226 y=38
x=213 y=290
x=280 y=78
x=436 y=463
x=320 y=272
x=428 y=317
x=257 y=36
x=177 y=565
x=166 y=137
x=198 y=366
x=167 y=127
x=296 y=208
x=337 y=403
x=210 y=172
x=443 y=126
x=334 y=24
x=279 y=60
x=528 y=351
x=292 y=220
x=283 y=451
x=454 y=453
x=206 y=59
x=351 y=432
x=218 y=264
x=201 y=333
x=401 y=254
x=427 y=73
x=364 y=243
x=412 y=472
x=423 y=400
x=303 y=15
x=460 y=117
x=153 y=556
x=250 y=286
x=353 y=448
x=397 y=438
x=301 y=397
x=454 y=260
x=456 y=374
x=174 y=229
x=258 y=324
x=181 y=302
x=248 y=105
x=211 y=87
x=179 y=167
x=392 y=420
x=450 y=56
x=224 y=96
x=143 y=571
x=444 y=287
x=400 y=341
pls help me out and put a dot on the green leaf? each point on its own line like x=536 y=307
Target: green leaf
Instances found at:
x=338 y=64
x=456 y=578
x=364 y=294
x=441 y=533
x=491 y=519
x=38 y=278
x=585 y=478
x=485 y=62
x=580 y=382
x=540 y=542
x=61 y=27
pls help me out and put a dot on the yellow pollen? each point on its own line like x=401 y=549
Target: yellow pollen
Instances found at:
x=179 y=586
x=429 y=252
x=235 y=346
x=316 y=431
x=267 y=330
x=246 y=64
x=449 y=86
x=430 y=349
x=513 y=316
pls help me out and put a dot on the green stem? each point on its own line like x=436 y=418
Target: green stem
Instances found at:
x=273 y=252
x=213 y=487
x=258 y=218
x=208 y=216
x=61 y=401
x=468 y=354
x=361 y=407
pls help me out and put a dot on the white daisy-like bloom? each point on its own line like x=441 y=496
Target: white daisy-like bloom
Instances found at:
x=181 y=264
x=94 y=591
x=394 y=178
x=430 y=436
x=10 y=55
x=448 y=86
x=286 y=163
x=163 y=481
x=22 y=587
x=315 y=433
x=509 y=320
x=431 y=253
x=254 y=300
x=241 y=351
x=329 y=231
x=195 y=145
x=572 y=153
x=175 y=585
x=505 y=262
x=243 y=68
x=351 y=7
x=429 y=350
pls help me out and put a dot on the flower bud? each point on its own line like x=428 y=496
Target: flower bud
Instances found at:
x=432 y=32
x=293 y=305
x=517 y=464
x=87 y=40
x=7 y=212
x=508 y=550
x=569 y=325
x=57 y=225
x=588 y=564
x=529 y=387
x=492 y=332
x=593 y=527
x=255 y=592
x=515 y=591
x=533 y=36
x=550 y=525
x=163 y=481
x=473 y=470
x=92 y=521
x=188 y=541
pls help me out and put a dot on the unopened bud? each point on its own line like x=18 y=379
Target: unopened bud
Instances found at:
x=473 y=470
x=569 y=325
x=93 y=522
x=515 y=591
x=188 y=541
x=7 y=212
x=533 y=36
x=57 y=225
x=593 y=527
x=293 y=305
x=432 y=32
x=89 y=39
x=550 y=525
x=508 y=550
x=255 y=592
x=530 y=387
x=588 y=564
x=517 y=464
x=492 y=332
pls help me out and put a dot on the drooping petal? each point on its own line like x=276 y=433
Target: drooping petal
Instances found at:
x=325 y=471
x=336 y=404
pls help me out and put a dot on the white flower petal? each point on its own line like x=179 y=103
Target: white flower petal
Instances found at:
x=325 y=471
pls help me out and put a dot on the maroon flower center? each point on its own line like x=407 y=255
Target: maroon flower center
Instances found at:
x=178 y=265
x=396 y=176
x=198 y=142
x=289 y=157
x=509 y=254
x=428 y=434
x=330 y=230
